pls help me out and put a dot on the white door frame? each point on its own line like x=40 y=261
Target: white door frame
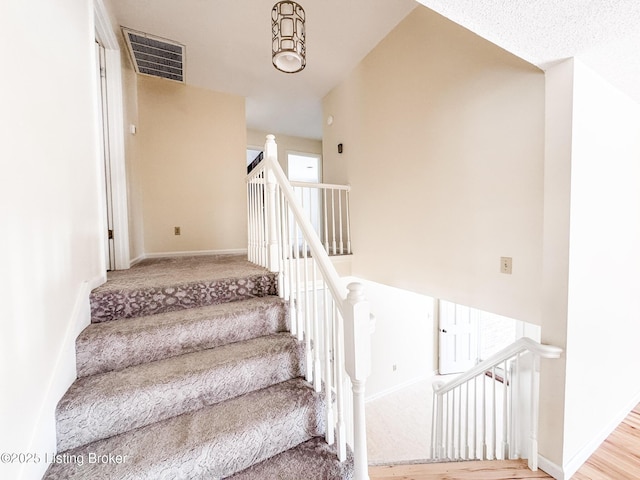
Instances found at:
x=107 y=38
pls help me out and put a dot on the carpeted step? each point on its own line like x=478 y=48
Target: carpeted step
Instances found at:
x=211 y=443
x=113 y=301
x=100 y=406
x=108 y=346
x=311 y=460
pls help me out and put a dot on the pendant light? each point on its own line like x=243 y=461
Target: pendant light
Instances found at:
x=288 y=37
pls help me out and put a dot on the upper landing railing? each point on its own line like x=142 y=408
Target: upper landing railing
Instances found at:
x=333 y=322
x=327 y=206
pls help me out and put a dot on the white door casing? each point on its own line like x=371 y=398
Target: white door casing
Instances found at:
x=106 y=36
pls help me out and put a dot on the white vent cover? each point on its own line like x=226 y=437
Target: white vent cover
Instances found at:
x=155 y=56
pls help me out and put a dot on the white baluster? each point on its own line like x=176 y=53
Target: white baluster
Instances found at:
x=328 y=366
x=535 y=399
x=249 y=222
x=299 y=316
x=339 y=384
x=505 y=411
x=307 y=316
x=340 y=221
x=348 y=224
x=515 y=402
x=333 y=223
x=317 y=369
x=466 y=423
x=459 y=443
x=435 y=419
x=475 y=418
x=326 y=225
x=483 y=409
x=271 y=226
x=261 y=222
x=493 y=414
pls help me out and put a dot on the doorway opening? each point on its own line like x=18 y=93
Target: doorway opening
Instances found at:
x=305 y=168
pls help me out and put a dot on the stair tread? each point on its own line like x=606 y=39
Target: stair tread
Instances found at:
x=92 y=408
x=162 y=285
x=174 y=271
x=114 y=345
x=213 y=442
x=311 y=460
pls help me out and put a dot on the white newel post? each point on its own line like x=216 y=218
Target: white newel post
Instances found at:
x=271 y=154
x=357 y=345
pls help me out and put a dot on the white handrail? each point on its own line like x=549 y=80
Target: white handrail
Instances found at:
x=461 y=432
x=335 y=328
x=519 y=346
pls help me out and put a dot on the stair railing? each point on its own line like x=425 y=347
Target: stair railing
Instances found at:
x=333 y=322
x=491 y=411
x=334 y=224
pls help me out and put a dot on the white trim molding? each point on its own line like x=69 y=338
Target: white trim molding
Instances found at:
x=107 y=37
x=64 y=374
x=550 y=468
x=193 y=253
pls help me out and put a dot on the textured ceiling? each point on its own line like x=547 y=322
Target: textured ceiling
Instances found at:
x=228 y=43
x=605 y=34
x=228 y=49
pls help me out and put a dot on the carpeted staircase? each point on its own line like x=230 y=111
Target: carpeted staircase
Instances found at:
x=187 y=371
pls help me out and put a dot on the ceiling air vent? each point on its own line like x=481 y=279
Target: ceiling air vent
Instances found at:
x=155 y=56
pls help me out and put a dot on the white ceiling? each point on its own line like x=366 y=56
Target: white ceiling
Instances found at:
x=228 y=49
x=605 y=34
x=228 y=44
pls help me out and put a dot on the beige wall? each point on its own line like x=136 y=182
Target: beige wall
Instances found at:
x=51 y=215
x=190 y=147
x=286 y=143
x=443 y=137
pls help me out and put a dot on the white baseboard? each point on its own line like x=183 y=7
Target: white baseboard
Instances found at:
x=550 y=468
x=192 y=253
x=398 y=387
x=138 y=259
x=63 y=374
x=574 y=464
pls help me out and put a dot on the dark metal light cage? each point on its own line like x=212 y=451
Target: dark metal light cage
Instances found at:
x=288 y=52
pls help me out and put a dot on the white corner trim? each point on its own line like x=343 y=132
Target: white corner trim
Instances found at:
x=550 y=468
x=574 y=464
x=400 y=386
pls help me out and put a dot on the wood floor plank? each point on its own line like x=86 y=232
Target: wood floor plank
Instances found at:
x=486 y=470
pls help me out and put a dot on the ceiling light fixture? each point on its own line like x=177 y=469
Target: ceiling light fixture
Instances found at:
x=288 y=37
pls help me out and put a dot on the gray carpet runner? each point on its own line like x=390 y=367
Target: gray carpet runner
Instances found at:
x=188 y=372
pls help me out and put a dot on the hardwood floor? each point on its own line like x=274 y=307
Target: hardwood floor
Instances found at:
x=488 y=470
x=618 y=458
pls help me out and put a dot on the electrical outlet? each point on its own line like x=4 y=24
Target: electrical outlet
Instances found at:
x=394 y=367
x=506 y=265
x=176 y=230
